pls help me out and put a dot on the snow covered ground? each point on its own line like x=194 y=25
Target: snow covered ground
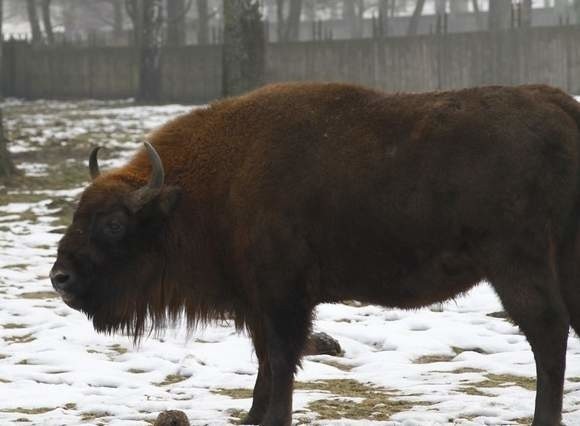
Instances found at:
x=458 y=363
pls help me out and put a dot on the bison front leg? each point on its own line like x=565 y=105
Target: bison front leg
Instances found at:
x=286 y=333
x=530 y=293
x=261 y=394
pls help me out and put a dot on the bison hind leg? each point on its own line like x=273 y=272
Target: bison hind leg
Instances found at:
x=530 y=292
x=569 y=275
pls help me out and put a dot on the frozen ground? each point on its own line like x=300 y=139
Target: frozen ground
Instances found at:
x=459 y=363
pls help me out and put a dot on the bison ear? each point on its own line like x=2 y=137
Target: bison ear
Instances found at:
x=168 y=198
x=162 y=200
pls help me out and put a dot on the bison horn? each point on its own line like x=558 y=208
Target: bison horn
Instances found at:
x=157 y=173
x=94 y=163
x=146 y=193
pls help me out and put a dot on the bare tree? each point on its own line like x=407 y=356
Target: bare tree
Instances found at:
x=176 y=12
x=117 y=6
x=414 y=22
x=526 y=13
x=352 y=14
x=6 y=166
x=47 y=21
x=289 y=26
x=385 y=11
x=147 y=17
x=458 y=6
x=244 y=47
x=202 y=22
x=33 y=21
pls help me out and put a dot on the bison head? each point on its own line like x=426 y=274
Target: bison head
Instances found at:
x=111 y=260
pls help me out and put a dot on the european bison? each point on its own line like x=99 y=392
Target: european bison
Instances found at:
x=262 y=206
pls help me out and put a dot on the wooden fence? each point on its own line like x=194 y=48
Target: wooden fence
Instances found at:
x=192 y=74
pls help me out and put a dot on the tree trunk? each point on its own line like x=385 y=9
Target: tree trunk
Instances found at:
x=441 y=7
x=349 y=17
x=414 y=22
x=280 y=21
x=33 y=21
x=526 y=11
x=244 y=47
x=292 y=32
x=203 y=22
x=175 y=22
x=459 y=6
x=384 y=15
x=47 y=21
x=6 y=166
x=148 y=37
x=117 y=20
x=499 y=14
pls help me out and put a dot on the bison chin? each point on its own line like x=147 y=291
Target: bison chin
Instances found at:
x=133 y=311
x=117 y=317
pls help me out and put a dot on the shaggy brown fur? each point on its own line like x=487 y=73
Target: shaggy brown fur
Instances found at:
x=298 y=194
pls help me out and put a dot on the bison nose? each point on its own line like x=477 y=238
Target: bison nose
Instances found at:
x=62 y=280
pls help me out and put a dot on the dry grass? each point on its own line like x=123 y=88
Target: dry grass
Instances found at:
x=118 y=349
x=336 y=364
x=235 y=393
x=20 y=339
x=29 y=411
x=430 y=359
x=39 y=295
x=172 y=379
x=354 y=400
x=12 y=326
x=93 y=415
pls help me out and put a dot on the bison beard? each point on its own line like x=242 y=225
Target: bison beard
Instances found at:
x=265 y=205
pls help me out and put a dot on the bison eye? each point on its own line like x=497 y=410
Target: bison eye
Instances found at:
x=114 y=229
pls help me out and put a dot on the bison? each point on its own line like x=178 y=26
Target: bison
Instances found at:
x=262 y=206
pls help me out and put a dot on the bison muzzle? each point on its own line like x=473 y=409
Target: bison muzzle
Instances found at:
x=260 y=207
